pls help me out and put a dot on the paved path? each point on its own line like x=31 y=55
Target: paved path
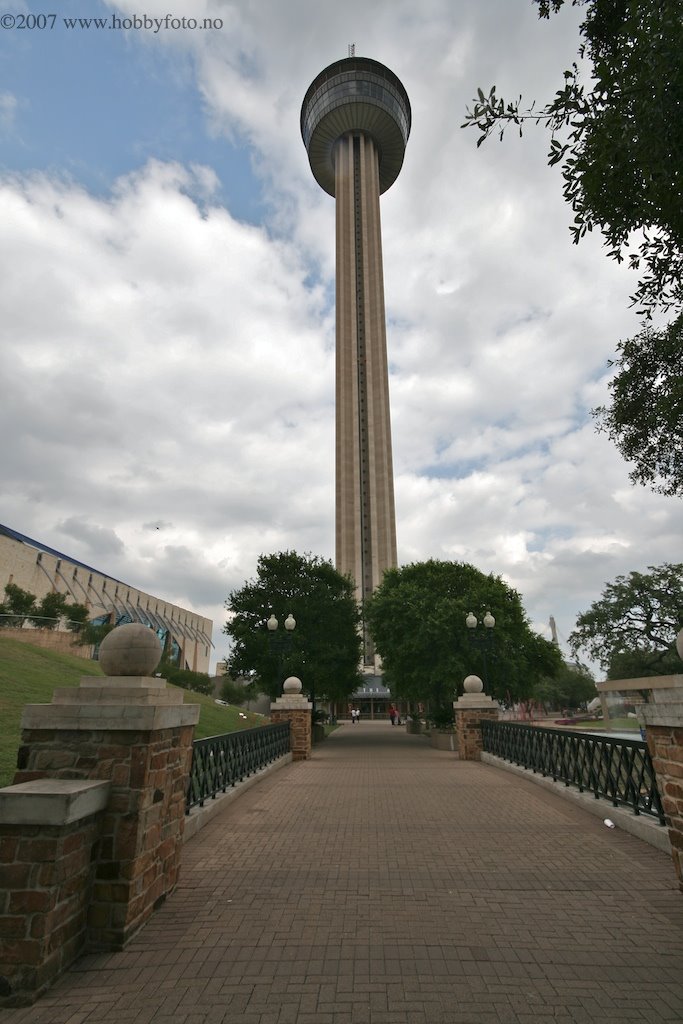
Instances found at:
x=384 y=882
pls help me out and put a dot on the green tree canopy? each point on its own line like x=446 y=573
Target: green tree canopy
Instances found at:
x=90 y=635
x=325 y=648
x=187 y=679
x=20 y=605
x=234 y=692
x=572 y=686
x=631 y=630
x=645 y=418
x=417 y=620
x=77 y=616
x=618 y=138
x=50 y=610
x=17 y=606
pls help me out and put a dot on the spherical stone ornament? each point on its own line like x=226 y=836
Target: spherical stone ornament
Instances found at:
x=679 y=643
x=292 y=685
x=473 y=684
x=130 y=650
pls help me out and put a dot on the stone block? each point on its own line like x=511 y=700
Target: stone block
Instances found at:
x=29 y=901
x=51 y=801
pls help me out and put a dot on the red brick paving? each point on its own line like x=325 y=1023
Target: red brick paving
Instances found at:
x=383 y=882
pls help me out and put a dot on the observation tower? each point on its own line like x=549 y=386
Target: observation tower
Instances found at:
x=355 y=122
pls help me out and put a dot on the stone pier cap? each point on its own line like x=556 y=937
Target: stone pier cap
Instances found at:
x=292 y=698
x=474 y=696
x=127 y=697
x=52 y=801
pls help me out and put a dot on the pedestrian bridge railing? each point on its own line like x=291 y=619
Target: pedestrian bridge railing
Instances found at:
x=220 y=762
x=619 y=770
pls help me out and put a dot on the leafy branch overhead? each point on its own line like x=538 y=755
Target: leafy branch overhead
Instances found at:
x=618 y=139
x=645 y=419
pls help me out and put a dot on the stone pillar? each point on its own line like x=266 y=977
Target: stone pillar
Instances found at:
x=48 y=837
x=296 y=710
x=469 y=710
x=130 y=730
x=663 y=722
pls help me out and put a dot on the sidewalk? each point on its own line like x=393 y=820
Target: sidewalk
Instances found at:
x=383 y=882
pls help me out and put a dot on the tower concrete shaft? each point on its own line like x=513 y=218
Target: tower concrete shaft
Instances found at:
x=355 y=122
x=365 y=516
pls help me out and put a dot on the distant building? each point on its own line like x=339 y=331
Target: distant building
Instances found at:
x=41 y=570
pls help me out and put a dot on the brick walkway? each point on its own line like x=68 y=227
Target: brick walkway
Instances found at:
x=385 y=882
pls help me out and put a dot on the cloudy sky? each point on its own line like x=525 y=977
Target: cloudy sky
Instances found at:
x=166 y=302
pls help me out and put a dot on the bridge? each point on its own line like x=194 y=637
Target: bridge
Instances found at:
x=385 y=882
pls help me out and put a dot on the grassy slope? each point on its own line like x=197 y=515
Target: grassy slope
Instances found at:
x=29 y=675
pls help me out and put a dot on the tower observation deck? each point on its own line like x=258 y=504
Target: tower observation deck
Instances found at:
x=355 y=123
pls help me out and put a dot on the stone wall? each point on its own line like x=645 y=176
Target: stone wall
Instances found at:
x=141 y=835
x=665 y=743
x=120 y=747
x=300 y=730
x=50 y=639
x=468 y=731
x=48 y=841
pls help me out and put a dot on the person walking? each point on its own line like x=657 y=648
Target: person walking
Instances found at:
x=393 y=714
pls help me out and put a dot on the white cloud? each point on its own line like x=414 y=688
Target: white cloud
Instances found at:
x=171 y=369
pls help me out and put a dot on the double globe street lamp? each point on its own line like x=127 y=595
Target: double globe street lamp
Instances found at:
x=279 y=644
x=481 y=640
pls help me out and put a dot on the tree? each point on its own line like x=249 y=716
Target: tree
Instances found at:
x=20 y=605
x=17 y=606
x=233 y=692
x=186 y=679
x=645 y=419
x=572 y=686
x=77 y=616
x=633 y=627
x=640 y=664
x=325 y=647
x=619 y=140
x=50 y=610
x=92 y=635
x=417 y=620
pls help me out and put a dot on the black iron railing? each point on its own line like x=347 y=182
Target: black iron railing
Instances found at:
x=219 y=762
x=619 y=770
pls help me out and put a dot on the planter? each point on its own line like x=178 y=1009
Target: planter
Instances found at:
x=317 y=732
x=443 y=739
x=414 y=727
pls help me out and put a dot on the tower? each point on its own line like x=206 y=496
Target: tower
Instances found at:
x=355 y=122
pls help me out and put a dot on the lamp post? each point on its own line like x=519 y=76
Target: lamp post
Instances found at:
x=279 y=644
x=481 y=640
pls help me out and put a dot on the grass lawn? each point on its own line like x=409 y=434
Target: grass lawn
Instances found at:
x=614 y=724
x=29 y=675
